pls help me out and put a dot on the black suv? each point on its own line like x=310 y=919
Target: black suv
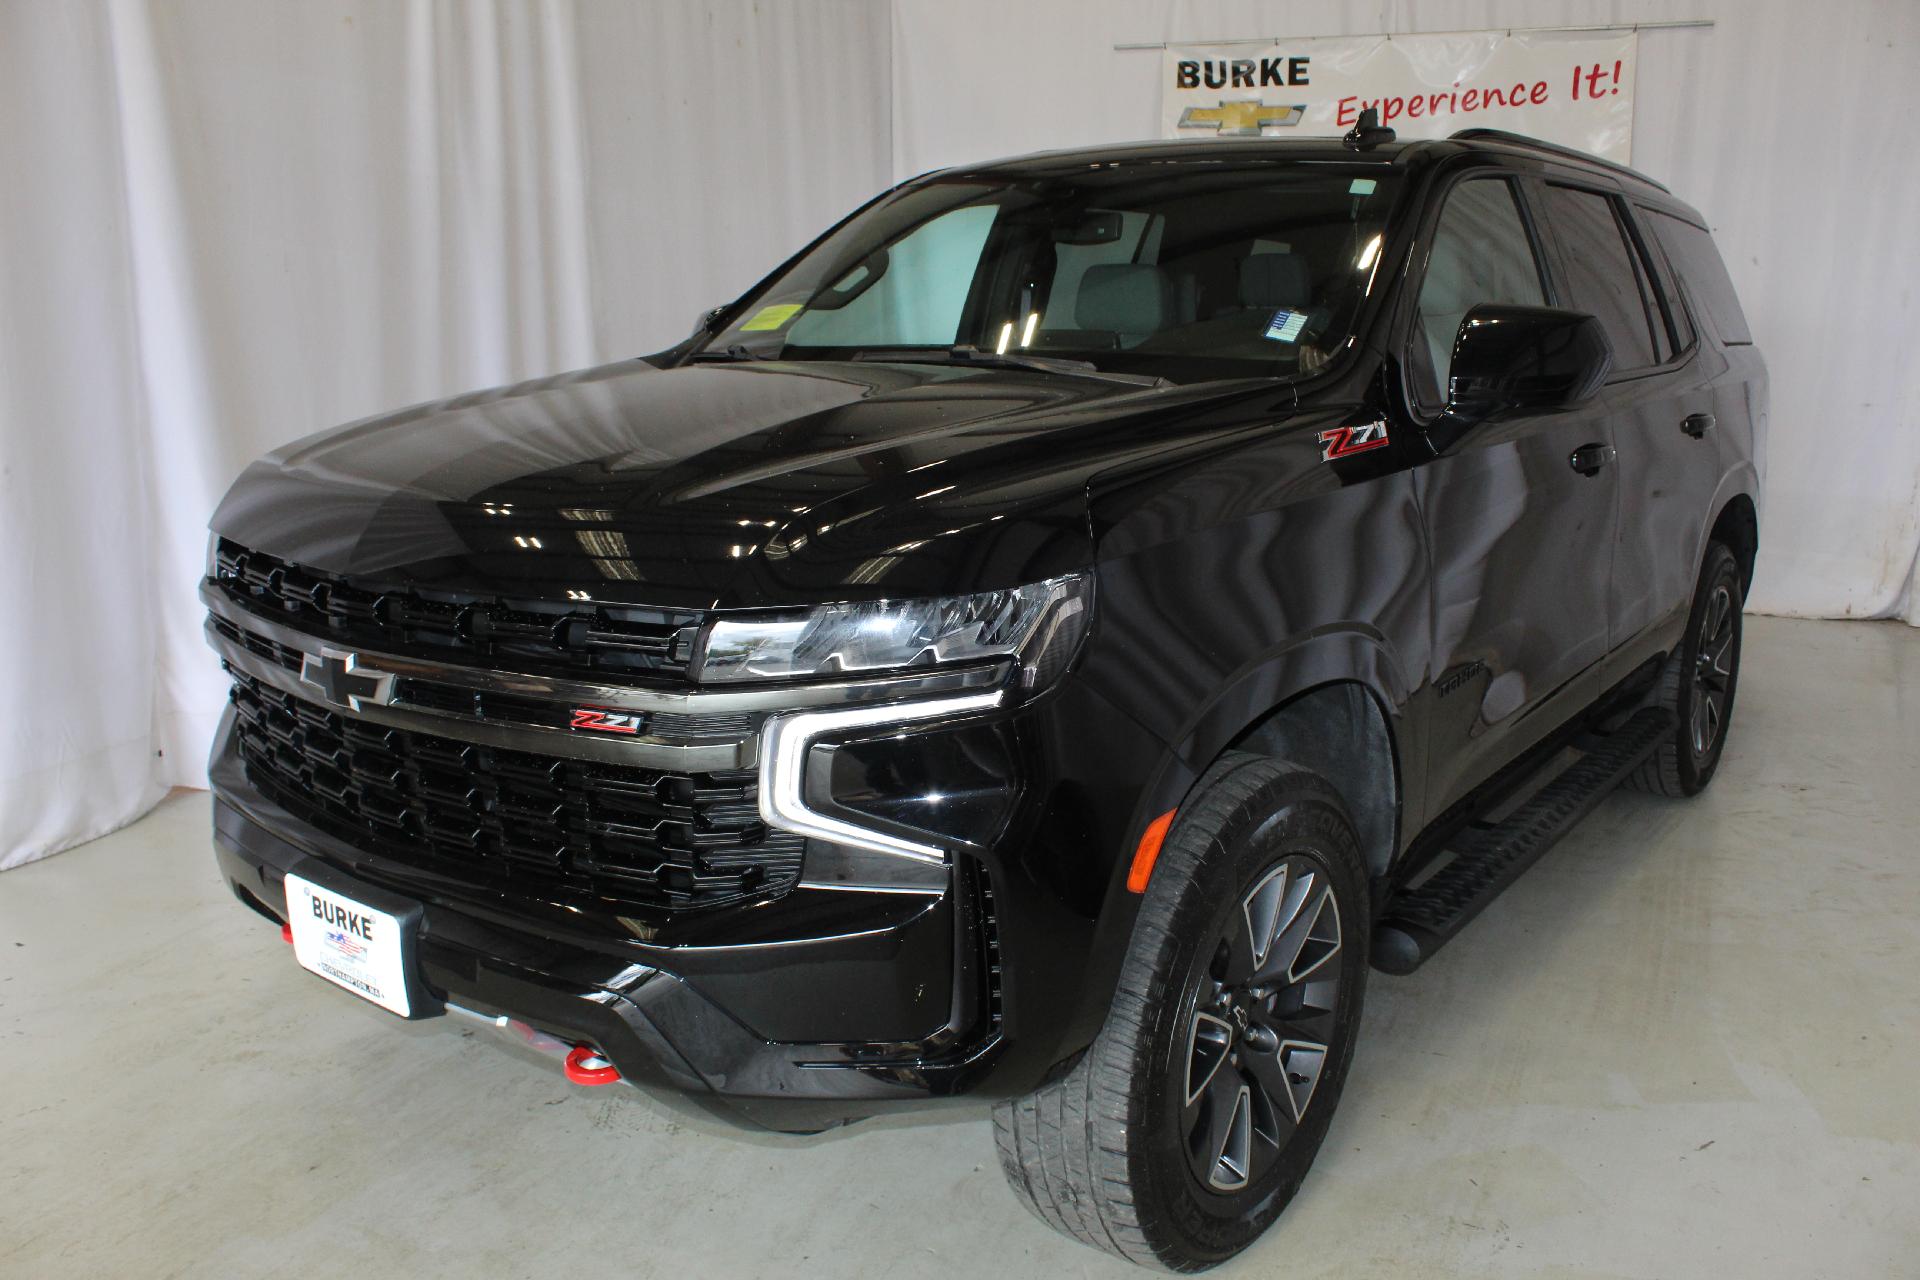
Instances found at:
x=1040 y=644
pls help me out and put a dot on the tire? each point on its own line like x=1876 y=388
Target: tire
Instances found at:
x=1114 y=1152
x=1698 y=684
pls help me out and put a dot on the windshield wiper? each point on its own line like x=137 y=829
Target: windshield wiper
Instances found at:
x=1006 y=360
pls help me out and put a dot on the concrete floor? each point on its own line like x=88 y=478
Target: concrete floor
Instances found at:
x=1683 y=1045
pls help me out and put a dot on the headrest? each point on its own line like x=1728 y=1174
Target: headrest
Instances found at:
x=1269 y=280
x=1124 y=297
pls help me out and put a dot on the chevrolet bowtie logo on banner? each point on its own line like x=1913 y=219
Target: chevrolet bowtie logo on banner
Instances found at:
x=1240 y=119
x=1573 y=87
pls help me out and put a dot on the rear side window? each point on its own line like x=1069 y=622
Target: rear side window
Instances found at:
x=1676 y=306
x=1691 y=250
x=1603 y=273
x=1481 y=254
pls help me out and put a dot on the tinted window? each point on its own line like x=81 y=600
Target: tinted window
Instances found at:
x=1602 y=276
x=1669 y=288
x=920 y=291
x=1651 y=303
x=1187 y=271
x=1481 y=254
x=1699 y=265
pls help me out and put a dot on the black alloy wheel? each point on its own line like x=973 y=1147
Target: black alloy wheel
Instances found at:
x=1261 y=1020
x=1188 y=1125
x=1713 y=668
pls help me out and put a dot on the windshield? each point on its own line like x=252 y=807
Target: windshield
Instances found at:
x=1184 y=270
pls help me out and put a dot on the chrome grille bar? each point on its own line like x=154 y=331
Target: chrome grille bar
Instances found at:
x=275 y=654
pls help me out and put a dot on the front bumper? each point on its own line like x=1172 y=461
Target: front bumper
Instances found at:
x=906 y=979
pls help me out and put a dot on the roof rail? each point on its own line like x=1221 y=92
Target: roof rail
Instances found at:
x=1552 y=148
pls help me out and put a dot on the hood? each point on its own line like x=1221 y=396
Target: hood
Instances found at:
x=723 y=486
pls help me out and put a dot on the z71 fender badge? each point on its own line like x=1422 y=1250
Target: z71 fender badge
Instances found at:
x=1338 y=442
x=606 y=721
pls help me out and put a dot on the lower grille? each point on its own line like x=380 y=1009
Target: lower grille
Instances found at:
x=535 y=825
x=989 y=925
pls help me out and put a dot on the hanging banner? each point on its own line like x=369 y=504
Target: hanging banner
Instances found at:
x=1574 y=88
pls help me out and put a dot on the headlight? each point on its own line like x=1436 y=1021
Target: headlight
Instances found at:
x=1041 y=624
x=799 y=775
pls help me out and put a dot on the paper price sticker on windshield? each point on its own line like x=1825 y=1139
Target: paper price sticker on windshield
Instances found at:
x=1286 y=325
x=769 y=318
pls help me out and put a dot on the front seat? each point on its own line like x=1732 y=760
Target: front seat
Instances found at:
x=1133 y=300
x=1272 y=281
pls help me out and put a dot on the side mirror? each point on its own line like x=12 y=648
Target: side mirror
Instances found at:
x=1524 y=359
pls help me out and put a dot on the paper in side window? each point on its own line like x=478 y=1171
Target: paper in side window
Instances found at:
x=1286 y=325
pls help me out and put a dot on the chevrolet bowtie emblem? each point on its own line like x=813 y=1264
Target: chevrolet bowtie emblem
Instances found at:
x=344 y=681
x=1240 y=119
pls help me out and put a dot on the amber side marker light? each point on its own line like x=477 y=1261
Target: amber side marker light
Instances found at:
x=1148 y=853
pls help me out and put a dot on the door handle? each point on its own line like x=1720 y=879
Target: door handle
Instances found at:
x=1697 y=424
x=1589 y=458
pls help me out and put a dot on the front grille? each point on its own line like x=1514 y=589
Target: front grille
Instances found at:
x=453 y=700
x=450 y=699
x=558 y=830
x=272 y=650
x=536 y=636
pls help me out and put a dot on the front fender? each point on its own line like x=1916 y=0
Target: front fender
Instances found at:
x=1351 y=655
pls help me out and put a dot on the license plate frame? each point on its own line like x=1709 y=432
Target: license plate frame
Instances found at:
x=360 y=938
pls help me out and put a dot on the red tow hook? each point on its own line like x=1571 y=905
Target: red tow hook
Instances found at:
x=286 y=934
x=584 y=1065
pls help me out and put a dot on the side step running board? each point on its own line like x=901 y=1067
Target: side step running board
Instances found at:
x=1488 y=858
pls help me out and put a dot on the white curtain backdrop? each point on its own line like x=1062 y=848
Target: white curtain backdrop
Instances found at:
x=227 y=224
x=1776 y=123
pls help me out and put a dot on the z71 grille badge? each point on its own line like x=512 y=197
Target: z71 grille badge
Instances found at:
x=600 y=721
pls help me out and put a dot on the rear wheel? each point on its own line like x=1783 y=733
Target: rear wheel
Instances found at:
x=1192 y=1119
x=1698 y=683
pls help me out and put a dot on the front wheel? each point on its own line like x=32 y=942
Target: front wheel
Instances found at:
x=1192 y=1119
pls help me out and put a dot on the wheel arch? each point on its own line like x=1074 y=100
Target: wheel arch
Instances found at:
x=1340 y=731
x=1737 y=524
x=1281 y=704
x=1329 y=701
